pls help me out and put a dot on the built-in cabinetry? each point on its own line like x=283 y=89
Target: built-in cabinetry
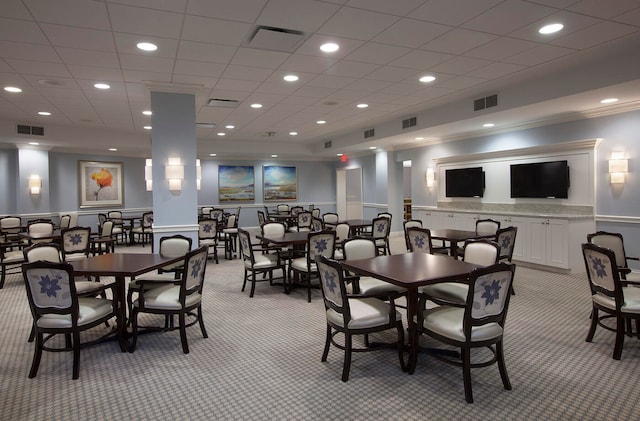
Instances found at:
x=545 y=241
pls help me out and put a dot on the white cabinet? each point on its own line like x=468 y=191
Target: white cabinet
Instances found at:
x=548 y=242
x=521 y=234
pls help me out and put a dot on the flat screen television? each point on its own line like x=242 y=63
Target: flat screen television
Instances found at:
x=540 y=179
x=464 y=182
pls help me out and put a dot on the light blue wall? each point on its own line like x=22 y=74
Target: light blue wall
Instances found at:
x=8 y=181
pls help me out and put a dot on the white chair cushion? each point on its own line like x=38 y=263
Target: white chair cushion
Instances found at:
x=300 y=264
x=365 y=313
x=338 y=255
x=208 y=242
x=156 y=277
x=166 y=297
x=633 y=277
x=230 y=230
x=447 y=321
x=84 y=287
x=90 y=310
x=373 y=286
x=453 y=292
x=74 y=257
x=631 y=300
x=262 y=261
x=14 y=256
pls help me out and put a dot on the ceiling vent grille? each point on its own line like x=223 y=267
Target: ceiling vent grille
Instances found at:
x=226 y=103
x=409 y=122
x=486 y=102
x=327 y=144
x=30 y=130
x=369 y=133
x=276 y=39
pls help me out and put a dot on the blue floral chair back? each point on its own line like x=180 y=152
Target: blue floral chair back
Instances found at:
x=50 y=288
x=333 y=288
x=601 y=269
x=321 y=244
x=75 y=241
x=195 y=265
x=419 y=240
x=490 y=296
x=506 y=239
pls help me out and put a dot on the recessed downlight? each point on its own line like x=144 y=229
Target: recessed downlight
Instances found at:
x=147 y=46
x=45 y=113
x=221 y=134
x=147 y=127
x=609 y=100
x=256 y=105
x=321 y=122
x=293 y=133
x=34 y=143
x=427 y=78
x=419 y=138
x=213 y=154
x=274 y=156
x=147 y=112
x=113 y=149
x=362 y=105
x=488 y=125
x=551 y=28
x=101 y=85
x=290 y=78
x=330 y=47
x=372 y=147
x=339 y=154
x=12 y=89
x=229 y=126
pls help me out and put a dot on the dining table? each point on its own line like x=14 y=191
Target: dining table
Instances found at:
x=30 y=237
x=357 y=226
x=297 y=240
x=411 y=271
x=121 y=266
x=455 y=236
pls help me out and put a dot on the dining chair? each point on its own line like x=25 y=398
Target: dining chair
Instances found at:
x=303 y=222
x=102 y=218
x=218 y=215
x=282 y=208
x=486 y=226
x=410 y=224
x=58 y=309
x=75 y=243
x=330 y=220
x=315 y=212
x=259 y=260
x=180 y=298
x=118 y=231
x=144 y=231
x=261 y=218
x=343 y=231
x=11 y=257
x=610 y=295
x=506 y=239
x=65 y=221
x=40 y=228
x=615 y=242
x=208 y=236
x=230 y=236
x=316 y=224
x=479 y=252
x=380 y=228
x=352 y=315
x=304 y=268
x=10 y=226
x=419 y=239
x=479 y=323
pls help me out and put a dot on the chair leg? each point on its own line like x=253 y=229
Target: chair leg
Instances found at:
x=244 y=283
x=327 y=344
x=403 y=366
x=134 y=329
x=253 y=284
x=201 y=322
x=617 y=350
x=37 y=354
x=76 y=355
x=32 y=334
x=466 y=374
x=347 y=357
x=183 y=333
x=502 y=366
x=2 y=277
x=594 y=324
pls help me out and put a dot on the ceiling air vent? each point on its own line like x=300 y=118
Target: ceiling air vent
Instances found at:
x=486 y=102
x=30 y=130
x=327 y=144
x=227 y=103
x=409 y=122
x=369 y=133
x=276 y=39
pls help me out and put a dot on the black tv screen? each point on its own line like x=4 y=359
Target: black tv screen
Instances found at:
x=464 y=182
x=540 y=179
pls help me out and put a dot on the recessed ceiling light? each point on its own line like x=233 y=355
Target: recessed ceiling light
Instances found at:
x=321 y=122
x=274 y=156
x=12 y=89
x=427 y=79
x=330 y=47
x=293 y=133
x=101 y=86
x=339 y=154
x=372 y=147
x=230 y=126
x=256 y=105
x=221 y=134
x=291 y=78
x=551 y=28
x=488 y=125
x=609 y=100
x=113 y=149
x=44 y=113
x=213 y=154
x=362 y=105
x=34 y=143
x=147 y=127
x=147 y=112
x=147 y=46
x=419 y=138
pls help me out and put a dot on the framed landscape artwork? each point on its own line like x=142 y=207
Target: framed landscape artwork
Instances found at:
x=235 y=183
x=100 y=184
x=280 y=182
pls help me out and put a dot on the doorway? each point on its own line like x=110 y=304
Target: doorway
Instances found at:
x=349 y=193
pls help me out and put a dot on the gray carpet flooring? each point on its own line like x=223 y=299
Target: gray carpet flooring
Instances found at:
x=262 y=362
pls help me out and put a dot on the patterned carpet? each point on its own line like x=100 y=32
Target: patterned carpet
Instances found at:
x=262 y=362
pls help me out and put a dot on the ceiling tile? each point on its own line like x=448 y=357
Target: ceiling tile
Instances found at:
x=595 y=35
x=146 y=63
x=508 y=16
x=127 y=44
x=24 y=51
x=21 y=31
x=421 y=59
x=300 y=15
x=452 y=12
x=85 y=14
x=29 y=67
x=539 y=55
x=375 y=53
x=331 y=82
x=236 y=85
x=630 y=18
x=217 y=31
x=166 y=5
x=501 y=48
x=309 y=64
x=572 y=22
x=312 y=46
x=411 y=33
x=89 y=58
x=259 y=58
x=239 y=10
x=201 y=68
x=204 y=81
x=368 y=85
x=458 y=41
x=95 y=74
x=14 y=9
x=136 y=20
x=395 y=7
x=391 y=74
x=351 y=69
x=358 y=24
x=74 y=37
x=460 y=65
x=201 y=51
x=244 y=72
x=461 y=82
x=603 y=9
x=496 y=70
x=139 y=76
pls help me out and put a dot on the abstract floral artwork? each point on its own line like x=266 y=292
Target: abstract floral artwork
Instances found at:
x=100 y=183
x=235 y=183
x=280 y=182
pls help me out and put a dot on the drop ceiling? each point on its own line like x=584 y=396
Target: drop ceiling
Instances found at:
x=56 y=50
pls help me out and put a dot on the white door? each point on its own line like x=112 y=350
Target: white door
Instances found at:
x=349 y=193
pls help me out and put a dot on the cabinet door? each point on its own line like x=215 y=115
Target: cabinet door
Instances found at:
x=462 y=221
x=557 y=243
x=519 y=250
x=536 y=250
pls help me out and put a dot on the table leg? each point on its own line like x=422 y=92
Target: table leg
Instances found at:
x=412 y=312
x=121 y=313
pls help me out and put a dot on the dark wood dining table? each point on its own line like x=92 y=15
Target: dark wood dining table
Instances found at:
x=55 y=236
x=411 y=271
x=455 y=236
x=120 y=266
x=357 y=226
x=287 y=239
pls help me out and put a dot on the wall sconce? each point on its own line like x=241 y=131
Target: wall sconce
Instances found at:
x=174 y=173
x=148 y=174
x=430 y=177
x=198 y=174
x=618 y=166
x=35 y=184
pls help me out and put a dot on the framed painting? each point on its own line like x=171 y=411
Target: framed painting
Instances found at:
x=235 y=183
x=280 y=182
x=100 y=183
